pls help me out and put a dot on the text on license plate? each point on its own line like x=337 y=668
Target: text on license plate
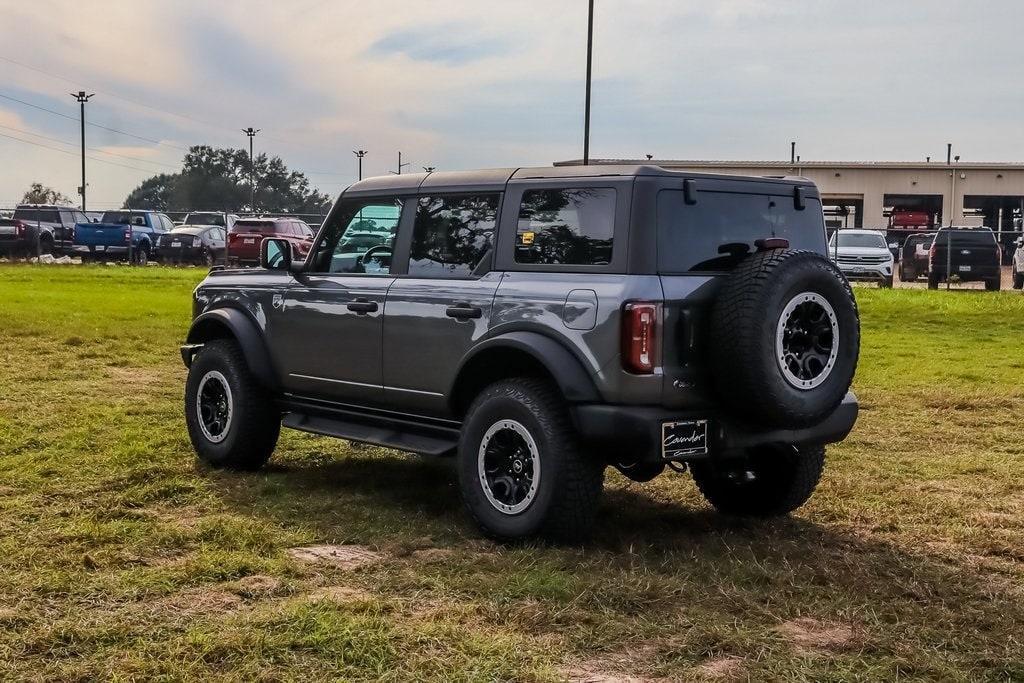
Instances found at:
x=684 y=438
x=965 y=269
x=176 y=243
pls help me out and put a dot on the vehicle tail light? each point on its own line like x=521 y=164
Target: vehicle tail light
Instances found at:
x=127 y=236
x=639 y=337
x=21 y=228
x=931 y=255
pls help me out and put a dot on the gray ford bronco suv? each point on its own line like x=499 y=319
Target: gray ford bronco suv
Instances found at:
x=542 y=324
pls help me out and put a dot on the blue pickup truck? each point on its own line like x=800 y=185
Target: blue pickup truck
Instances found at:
x=125 y=233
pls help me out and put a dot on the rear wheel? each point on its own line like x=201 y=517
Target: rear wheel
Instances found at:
x=933 y=281
x=208 y=259
x=232 y=419
x=521 y=471
x=45 y=245
x=768 y=481
x=141 y=255
x=992 y=284
x=1018 y=280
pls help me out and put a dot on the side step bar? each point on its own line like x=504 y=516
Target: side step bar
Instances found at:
x=437 y=443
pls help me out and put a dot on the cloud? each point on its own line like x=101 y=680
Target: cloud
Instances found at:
x=449 y=44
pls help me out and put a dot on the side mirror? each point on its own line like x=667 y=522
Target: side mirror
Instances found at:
x=275 y=254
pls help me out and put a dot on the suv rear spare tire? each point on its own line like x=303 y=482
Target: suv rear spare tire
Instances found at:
x=784 y=338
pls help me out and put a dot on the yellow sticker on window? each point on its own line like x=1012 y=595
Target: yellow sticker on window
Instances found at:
x=527 y=237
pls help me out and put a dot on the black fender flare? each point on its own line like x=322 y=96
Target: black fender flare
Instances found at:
x=212 y=325
x=568 y=372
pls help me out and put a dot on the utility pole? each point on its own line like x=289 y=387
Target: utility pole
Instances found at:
x=251 y=132
x=82 y=98
x=360 y=154
x=792 y=152
x=586 y=108
x=400 y=165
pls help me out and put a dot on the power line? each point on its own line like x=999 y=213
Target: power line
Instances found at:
x=136 y=102
x=64 y=151
x=94 y=125
x=101 y=151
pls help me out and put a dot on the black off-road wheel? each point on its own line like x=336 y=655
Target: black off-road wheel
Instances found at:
x=232 y=419
x=784 y=338
x=521 y=470
x=767 y=482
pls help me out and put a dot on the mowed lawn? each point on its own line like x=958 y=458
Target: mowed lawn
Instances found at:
x=122 y=558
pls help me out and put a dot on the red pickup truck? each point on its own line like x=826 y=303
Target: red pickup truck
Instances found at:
x=247 y=234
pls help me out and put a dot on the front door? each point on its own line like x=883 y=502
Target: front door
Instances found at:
x=329 y=344
x=438 y=310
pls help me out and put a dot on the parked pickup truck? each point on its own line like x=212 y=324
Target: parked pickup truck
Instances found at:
x=971 y=254
x=121 y=229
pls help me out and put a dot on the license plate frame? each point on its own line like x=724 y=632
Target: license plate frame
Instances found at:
x=963 y=269
x=176 y=243
x=684 y=438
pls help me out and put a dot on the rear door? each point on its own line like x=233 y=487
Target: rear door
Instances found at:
x=328 y=327
x=442 y=306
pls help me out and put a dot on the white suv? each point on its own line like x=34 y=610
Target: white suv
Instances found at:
x=862 y=255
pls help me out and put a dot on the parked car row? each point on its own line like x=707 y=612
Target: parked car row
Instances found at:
x=139 y=236
x=960 y=254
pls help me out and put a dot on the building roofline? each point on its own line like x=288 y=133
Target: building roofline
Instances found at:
x=737 y=163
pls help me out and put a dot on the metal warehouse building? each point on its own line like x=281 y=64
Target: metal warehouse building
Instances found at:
x=867 y=193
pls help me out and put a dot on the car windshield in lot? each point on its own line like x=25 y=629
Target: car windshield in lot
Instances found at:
x=860 y=240
x=211 y=218
x=118 y=217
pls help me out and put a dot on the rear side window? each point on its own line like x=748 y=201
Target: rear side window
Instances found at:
x=571 y=226
x=33 y=215
x=717 y=231
x=453 y=236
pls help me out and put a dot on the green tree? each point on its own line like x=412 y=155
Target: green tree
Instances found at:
x=218 y=179
x=40 y=194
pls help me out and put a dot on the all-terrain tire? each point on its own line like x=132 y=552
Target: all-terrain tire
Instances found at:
x=746 y=319
x=1018 y=280
x=568 y=488
x=254 y=421
x=992 y=284
x=140 y=257
x=770 y=481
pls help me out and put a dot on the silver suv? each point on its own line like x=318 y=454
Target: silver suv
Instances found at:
x=542 y=324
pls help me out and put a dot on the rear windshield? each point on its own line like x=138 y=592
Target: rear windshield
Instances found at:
x=263 y=227
x=859 y=239
x=205 y=219
x=41 y=215
x=120 y=217
x=718 y=230
x=977 y=238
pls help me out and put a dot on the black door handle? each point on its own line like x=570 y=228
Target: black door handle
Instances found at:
x=463 y=312
x=362 y=306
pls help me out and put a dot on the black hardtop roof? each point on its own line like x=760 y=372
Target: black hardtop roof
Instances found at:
x=496 y=178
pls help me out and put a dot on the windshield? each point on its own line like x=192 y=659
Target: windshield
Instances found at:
x=860 y=239
x=121 y=217
x=205 y=219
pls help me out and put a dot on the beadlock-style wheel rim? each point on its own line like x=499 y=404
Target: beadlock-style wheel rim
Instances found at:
x=807 y=340
x=214 y=406
x=508 y=464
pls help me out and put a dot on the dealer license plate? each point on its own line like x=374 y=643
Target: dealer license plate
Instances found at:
x=965 y=269
x=176 y=243
x=249 y=240
x=680 y=439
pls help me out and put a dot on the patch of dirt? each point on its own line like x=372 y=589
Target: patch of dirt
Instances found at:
x=431 y=555
x=594 y=672
x=341 y=556
x=614 y=668
x=810 y=634
x=132 y=378
x=255 y=586
x=721 y=668
x=341 y=594
x=199 y=601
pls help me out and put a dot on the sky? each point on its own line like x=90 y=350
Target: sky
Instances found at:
x=459 y=84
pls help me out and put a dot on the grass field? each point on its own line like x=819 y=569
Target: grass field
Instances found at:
x=121 y=558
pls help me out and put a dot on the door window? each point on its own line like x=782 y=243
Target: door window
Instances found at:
x=453 y=236
x=571 y=226
x=360 y=238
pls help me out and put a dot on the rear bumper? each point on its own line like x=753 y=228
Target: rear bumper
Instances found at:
x=982 y=272
x=637 y=429
x=8 y=243
x=181 y=253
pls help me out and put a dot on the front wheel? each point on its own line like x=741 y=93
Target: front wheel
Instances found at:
x=886 y=283
x=232 y=419
x=520 y=468
x=768 y=481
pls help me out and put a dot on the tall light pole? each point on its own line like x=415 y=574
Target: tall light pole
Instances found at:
x=251 y=132
x=82 y=99
x=586 y=108
x=360 y=154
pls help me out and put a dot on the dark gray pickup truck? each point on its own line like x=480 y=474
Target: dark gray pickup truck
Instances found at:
x=542 y=324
